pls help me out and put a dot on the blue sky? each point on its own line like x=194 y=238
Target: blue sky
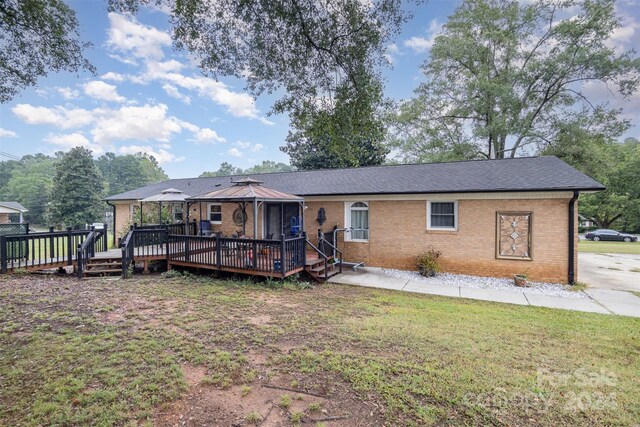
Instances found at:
x=146 y=97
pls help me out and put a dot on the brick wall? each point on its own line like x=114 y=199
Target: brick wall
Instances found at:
x=4 y=218
x=398 y=233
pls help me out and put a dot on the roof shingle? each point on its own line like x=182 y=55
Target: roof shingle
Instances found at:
x=519 y=174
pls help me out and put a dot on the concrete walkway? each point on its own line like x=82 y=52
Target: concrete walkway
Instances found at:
x=604 y=301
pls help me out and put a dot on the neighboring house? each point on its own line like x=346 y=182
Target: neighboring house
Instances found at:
x=11 y=212
x=585 y=222
x=487 y=217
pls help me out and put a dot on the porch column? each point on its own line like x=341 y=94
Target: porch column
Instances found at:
x=255 y=219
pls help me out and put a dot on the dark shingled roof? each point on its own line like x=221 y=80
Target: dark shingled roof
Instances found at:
x=519 y=174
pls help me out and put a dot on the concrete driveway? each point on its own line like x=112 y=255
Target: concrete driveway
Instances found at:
x=609 y=271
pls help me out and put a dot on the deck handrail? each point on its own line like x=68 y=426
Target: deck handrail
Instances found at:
x=127 y=247
x=322 y=254
x=335 y=248
x=86 y=250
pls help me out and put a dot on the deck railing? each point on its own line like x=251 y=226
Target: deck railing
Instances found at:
x=268 y=257
x=46 y=248
x=86 y=251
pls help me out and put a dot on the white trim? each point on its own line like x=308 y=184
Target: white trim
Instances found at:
x=347 y=220
x=510 y=195
x=455 y=215
x=209 y=212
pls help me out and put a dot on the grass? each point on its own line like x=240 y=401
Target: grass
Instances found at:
x=113 y=353
x=609 y=247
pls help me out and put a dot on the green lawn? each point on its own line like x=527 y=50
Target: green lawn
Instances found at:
x=609 y=247
x=162 y=351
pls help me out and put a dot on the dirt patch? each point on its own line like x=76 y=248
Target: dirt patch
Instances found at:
x=259 y=320
x=193 y=375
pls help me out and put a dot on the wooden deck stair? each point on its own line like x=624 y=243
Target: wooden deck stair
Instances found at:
x=315 y=267
x=103 y=267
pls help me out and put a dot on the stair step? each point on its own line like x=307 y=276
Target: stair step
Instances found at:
x=321 y=268
x=104 y=264
x=316 y=261
x=103 y=271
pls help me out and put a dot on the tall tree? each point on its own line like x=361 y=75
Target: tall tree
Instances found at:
x=30 y=182
x=76 y=197
x=37 y=36
x=347 y=131
x=227 y=169
x=504 y=74
x=124 y=173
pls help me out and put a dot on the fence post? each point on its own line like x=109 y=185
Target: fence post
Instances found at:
x=105 y=238
x=92 y=248
x=283 y=261
x=3 y=254
x=304 y=248
x=52 y=249
x=186 y=249
x=79 y=266
x=167 y=250
x=218 y=252
x=69 y=247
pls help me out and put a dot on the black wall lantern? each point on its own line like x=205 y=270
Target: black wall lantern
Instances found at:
x=322 y=216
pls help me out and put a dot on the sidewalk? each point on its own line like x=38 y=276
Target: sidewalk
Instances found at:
x=602 y=301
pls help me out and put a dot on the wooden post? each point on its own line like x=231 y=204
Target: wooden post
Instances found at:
x=52 y=252
x=186 y=249
x=218 y=252
x=283 y=262
x=92 y=248
x=69 y=247
x=167 y=250
x=3 y=254
x=304 y=249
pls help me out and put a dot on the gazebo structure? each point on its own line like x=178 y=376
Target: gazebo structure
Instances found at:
x=275 y=205
x=170 y=196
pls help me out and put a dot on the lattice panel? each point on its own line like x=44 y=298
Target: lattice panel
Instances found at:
x=513 y=238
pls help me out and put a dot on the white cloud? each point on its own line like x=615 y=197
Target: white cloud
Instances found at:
x=103 y=91
x=58 y=116
x=423 y=44
x=173 y=92
x=208 y=136
x=257 y=147
x=148 y=122
x=68 y=93
x=127 y=35
x=392 y=51
x=234 y=152
x=68 y=141
x=243 y=144
x=161 y=155
x=4 y=133
x=116 y=77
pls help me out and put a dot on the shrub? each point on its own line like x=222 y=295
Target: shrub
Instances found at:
x=427 y=262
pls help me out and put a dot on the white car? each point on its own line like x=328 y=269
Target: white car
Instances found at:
x=98 y=226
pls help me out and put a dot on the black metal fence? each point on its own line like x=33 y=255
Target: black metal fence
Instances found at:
x=46 y=248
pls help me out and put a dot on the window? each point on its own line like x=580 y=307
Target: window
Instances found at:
x=442 y=215
x=357 y=218
x=215 y=213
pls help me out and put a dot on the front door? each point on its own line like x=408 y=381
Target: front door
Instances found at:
x=278 y=219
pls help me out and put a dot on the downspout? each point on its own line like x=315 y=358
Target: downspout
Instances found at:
x=114 y=223
x=572 y=243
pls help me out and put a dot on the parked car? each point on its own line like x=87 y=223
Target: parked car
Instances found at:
x=98 y=225
x=612 y=235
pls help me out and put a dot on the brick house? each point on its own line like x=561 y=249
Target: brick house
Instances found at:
x=487 y=217
x=11 y=212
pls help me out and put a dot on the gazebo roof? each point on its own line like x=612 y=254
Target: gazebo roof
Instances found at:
x=168 y=195
x=246 y=190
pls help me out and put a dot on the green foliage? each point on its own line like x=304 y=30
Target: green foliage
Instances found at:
x=427 y=262
x=76 y=196
x=37 y=36
x=345 y=132
x=130 y=171
x=227 y=169
x=504 y=76
x=28 y=181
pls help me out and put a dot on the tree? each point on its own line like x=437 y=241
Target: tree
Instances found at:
x=306 y=47
x=345 y=132
x=611 y=163
x=504 y=75
x=227 y=169
x=124 y=173
x=29 y=182
x=76 y=197
x=37 y=36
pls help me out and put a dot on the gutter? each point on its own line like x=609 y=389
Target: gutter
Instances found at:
x=572 y=243
x=114 y=222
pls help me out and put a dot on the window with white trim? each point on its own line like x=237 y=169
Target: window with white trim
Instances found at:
x=215 y=213
x=357 y=220
x=442 y=215
x=177 y=213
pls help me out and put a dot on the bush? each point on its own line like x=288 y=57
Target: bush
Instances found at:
x=427 y=262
